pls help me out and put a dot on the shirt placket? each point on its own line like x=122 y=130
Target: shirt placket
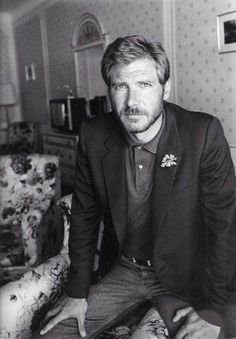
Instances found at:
x=141 y=168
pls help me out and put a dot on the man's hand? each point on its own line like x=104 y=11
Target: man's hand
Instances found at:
x=194 y=327
x=67 y=308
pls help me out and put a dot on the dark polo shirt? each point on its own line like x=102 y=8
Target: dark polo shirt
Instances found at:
x=140 y=161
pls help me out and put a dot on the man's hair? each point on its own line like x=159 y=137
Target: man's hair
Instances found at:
x=130 y=48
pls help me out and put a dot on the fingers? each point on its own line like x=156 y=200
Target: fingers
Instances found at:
x=81 y=325
x=53 y=323
x=53 y=312
x=187 y=332
x=81 y=328
x=182 y=313
x=81 y=320
x=195 y=328
x=69 y=308
x=58 y=306
x=182 y=333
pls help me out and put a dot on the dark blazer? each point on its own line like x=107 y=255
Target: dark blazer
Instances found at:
x=193 y=206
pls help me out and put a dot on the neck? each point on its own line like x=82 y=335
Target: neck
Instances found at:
x=149 y=134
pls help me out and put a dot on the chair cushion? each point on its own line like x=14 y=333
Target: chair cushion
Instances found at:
x=27 y=190
x=11 y=246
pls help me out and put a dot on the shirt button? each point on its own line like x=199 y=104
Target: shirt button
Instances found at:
x=140 y=166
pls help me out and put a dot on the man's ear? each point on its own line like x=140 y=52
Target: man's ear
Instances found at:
x=167 y=88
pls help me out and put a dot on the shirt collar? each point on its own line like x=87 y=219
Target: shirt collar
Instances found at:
x=151 y=146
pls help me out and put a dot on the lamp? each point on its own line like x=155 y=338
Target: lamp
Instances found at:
x=7 y=98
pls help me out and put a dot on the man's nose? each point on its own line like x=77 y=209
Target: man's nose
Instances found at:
x=131 y=97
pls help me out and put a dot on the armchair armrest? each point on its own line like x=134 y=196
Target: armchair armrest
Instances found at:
x=24 y=302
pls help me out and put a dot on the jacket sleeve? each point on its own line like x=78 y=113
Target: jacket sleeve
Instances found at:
x=84 y=227
x=218 y=204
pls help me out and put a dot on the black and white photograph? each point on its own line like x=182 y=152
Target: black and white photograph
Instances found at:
x=117 y=169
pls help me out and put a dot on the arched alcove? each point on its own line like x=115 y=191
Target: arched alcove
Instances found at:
x=88 y=43
x=87 y=31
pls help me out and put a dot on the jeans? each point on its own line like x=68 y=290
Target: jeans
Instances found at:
x=124 y=288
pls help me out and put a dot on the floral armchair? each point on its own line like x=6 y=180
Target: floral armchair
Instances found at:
x=21 y=138
x=29 y=233
x=24 y=302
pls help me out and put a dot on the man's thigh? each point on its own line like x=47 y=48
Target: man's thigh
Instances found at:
x=113 y=297
x=109 y=300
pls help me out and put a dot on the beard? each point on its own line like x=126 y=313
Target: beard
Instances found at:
x=136 y=120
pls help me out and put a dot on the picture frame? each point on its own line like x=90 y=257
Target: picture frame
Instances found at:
x=226 y=32
x=30 y=72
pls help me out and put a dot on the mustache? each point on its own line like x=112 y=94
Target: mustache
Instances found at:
x=134 y=111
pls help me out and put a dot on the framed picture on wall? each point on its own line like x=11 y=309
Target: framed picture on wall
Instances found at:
x=226 y=30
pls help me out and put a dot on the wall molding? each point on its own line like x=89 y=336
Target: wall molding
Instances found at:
x=43 y=30
x=169 y=43
x=6 y=27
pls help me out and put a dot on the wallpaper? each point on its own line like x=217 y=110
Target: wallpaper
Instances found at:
x=29 y=50
x=118 y=18
x=205 y=78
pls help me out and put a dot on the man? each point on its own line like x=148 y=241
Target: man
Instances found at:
x=162 y=180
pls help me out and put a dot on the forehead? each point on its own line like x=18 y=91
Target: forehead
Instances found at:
x=136 y=68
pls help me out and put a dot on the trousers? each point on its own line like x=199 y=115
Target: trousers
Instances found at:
x=124 y=288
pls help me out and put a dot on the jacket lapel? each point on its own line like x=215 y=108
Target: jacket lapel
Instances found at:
x=115 y=178
x=164 y=177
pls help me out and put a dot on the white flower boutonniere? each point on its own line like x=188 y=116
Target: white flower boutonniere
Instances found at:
x=168 y=161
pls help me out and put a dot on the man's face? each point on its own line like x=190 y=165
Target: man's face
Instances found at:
x=136 y=94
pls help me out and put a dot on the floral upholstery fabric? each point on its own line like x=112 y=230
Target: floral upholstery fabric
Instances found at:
x=29 y=186
x=151 y=327
x=22 y=138
x=24 y=302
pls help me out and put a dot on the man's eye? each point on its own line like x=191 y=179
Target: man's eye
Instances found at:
x=145 y=84
x=120 y=86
